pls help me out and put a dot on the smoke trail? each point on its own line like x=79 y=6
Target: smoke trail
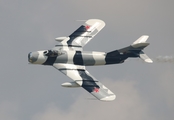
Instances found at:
x=164 y=59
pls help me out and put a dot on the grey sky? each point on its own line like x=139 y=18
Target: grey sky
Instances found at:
x=33 y=92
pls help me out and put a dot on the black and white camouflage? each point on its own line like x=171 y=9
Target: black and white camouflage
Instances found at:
x=70 y=59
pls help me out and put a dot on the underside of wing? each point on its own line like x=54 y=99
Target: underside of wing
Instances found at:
x=84 y=33
x=84 y=79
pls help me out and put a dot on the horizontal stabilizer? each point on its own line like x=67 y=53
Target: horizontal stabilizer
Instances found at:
x=135 y=49
x=144 y=57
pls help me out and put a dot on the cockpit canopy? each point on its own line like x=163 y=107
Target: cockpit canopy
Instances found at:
x=52 y=53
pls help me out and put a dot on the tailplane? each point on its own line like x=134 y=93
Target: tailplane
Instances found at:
x=135 y=49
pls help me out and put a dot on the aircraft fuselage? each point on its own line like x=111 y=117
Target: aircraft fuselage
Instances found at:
x=87 y=58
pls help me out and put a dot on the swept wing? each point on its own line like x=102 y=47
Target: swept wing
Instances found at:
x=84 y=33
x=84 y=79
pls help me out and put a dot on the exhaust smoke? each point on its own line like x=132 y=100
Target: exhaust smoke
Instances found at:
x=164 y=59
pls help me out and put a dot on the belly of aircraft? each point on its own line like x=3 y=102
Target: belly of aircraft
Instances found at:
x=82 y=58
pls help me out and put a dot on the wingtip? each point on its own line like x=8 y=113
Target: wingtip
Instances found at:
x=109 y=98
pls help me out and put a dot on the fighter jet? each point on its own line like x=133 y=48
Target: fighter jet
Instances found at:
x=70 y=59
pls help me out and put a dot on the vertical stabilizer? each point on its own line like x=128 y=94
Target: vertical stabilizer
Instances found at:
x=142 y=39
x=135 y=49
x=141 y=43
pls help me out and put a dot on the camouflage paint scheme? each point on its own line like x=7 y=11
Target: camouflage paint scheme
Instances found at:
x=70 y=59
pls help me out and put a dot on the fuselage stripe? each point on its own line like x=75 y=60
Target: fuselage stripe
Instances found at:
x=78 y=60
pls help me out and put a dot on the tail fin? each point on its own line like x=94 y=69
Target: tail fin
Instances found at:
x=135 y=50
x=142 y=39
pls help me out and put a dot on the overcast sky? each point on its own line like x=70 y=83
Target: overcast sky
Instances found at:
x=33 y=92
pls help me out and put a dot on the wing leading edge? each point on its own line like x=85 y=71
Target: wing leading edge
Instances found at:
x=84 y=79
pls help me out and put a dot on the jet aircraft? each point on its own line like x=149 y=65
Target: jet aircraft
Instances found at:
x=70 y=59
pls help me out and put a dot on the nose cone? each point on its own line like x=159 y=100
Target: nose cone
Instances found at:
x=32 y=57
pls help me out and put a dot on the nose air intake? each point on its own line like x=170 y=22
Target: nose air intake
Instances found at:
x=29 y=57
x=33 y=56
